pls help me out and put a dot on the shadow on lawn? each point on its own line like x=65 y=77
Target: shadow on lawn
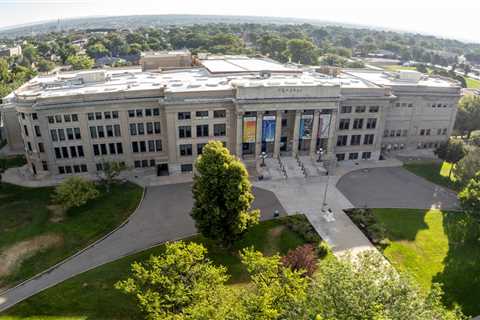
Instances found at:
x=413 y=221
x=461 y=275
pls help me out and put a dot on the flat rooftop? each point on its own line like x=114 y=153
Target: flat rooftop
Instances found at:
x=235 y=64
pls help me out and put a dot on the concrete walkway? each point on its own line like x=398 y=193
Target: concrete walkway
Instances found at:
x=162 y=216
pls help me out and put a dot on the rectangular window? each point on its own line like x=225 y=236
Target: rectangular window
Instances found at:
x=44 y=165
x=107 y=115
x=101 y=132
x=29 y=145
x=353 y=156
x=373 y=109
x=355 y=139
x=152 y=162
x=346 y=109
x=76 y=168
x=50 y=119
x=156 y=111
x=340 y=156
x=34 y=116
x=133 y=129
x=158 y=145
x=360 y=109
x=185 y=149
x=137 y=164
x=61 y=170
x=149 y=128
x=83 y=168
x=73 y=151
x=184 y=115
x=135 y=146
x=201 y=114
x=131 y=113
x=53 y=134
x=119 y=148
x=385 y=133
x=422 y=132
x=116 y=130
x=99 y=166
x=93 y=132
x=109 y=130
x=58 y=118
x=444 y=131
x=37 y=131
x=115 y=114
x=219 y=113
x=220 y=130
x=98 y=116
x=200 y=148
x=186 y=167
x=90 y=116
x=141 y=128
x=41 y=148
x=366 y=155
x=103 y=149
x=342 y=141
x=427 y=132
x=68 y=169
x=156 y=127
x=139 y=113
x=344 y=124
x=64 y=152
x=96 y=150
x=78 y=136
x=67 y=118
x=81 y=154
x=111 y=148
x=184 y=131
x=148 y=112
x=357 y=123
x=202 y=130
x=70 y=134
x=398 y=133
x=58 y=154
x=75 y=117
x=144 y=163
x=61 y=134
x=143 y=146
x=151 y=146
x=368 y=139
x=25 y=130
x=371 y=123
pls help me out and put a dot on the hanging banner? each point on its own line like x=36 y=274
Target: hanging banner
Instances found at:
x=324 y=125
x=249 y=129
x=306 y=126
x=268 y=129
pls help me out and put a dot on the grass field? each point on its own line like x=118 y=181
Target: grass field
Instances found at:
x=436 y=172
x=24 y=216
x=434 y=246
x=473 y=83
x=91 y=295
x=397 y=67
x=12 y=161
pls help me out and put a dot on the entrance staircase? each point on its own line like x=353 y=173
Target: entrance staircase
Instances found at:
x=288 y=167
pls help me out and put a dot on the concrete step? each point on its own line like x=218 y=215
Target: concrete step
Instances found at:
x=292 y=167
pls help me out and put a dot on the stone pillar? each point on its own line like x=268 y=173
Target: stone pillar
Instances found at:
x=278 y=134
x=296 y=132
x=258 y=139
x=313 y=142
x=239 y=135
x=331 y=134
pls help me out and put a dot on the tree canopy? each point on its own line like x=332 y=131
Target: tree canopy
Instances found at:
x=468 y=115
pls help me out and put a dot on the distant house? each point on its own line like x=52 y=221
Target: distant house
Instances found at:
x=387 y=54
x=10 y=51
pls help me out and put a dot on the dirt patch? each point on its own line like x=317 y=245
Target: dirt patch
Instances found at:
x=277 y=231
x=57 y=213
x=15 y=254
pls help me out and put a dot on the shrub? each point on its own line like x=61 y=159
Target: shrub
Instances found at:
x=302 y=258
x=299 y=224
x=365 y=220
x=323 y=249
x=74 y=192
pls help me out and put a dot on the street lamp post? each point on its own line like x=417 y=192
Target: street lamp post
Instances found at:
x=263 y=156
x=319 y=154
x=331 y=165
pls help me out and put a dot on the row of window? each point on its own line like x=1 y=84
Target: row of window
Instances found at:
x=359 y=109
x=100 y=165
x=186 y=149
x=403 y=104
x=355 y=140
x=105 y=131
x=395 y=133
x=150 y=145
x=76 y=168
x=344 y=124
x=69 y=152
x=428 y=132
x=219 y=130
x=107 y=148
x=66 y=118
x=366 y=155
x=63 y=134
x=144 y=163
x=139 y=113
x=139 y=128
x=33 y=115
x=202 y=114
x=102 y=115
x=439 y=105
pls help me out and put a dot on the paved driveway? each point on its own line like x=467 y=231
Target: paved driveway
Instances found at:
x=162 y=216
x=394 y=188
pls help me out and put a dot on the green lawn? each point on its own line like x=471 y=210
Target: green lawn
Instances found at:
x=435 y=246
x=397 y=67
x=12 y=161
x=472 y=83
x=24 y=215
x=91 y=295
x=436 y=172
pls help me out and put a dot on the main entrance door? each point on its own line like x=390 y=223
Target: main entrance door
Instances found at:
x=162 y=169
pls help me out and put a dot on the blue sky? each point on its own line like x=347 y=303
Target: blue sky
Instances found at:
x=453 y=19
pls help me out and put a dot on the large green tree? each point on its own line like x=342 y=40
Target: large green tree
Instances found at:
x=468 y=115
x=451 y=151
x=79 y=62
x=302 y=51
x=470 y=197
x=222 y=195
x=468 y=167
x=74 y=192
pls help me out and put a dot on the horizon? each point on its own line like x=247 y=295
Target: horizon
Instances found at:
x=372 y=14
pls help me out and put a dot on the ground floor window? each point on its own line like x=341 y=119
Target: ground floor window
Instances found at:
x=186 y=167
x=366 y=155
x=353 y=156
x=340 y=156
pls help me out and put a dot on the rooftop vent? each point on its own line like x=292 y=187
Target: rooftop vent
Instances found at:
x=92 y=76
x=409 y=75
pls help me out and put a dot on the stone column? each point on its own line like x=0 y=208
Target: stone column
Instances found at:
x=313 y=142
x=331 y=134
x=258 y=139
x=278 y=134
x=239 y=135
x=296 y=132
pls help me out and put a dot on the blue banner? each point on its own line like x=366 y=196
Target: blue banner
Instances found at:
x=306 y=124
x=268 y=129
